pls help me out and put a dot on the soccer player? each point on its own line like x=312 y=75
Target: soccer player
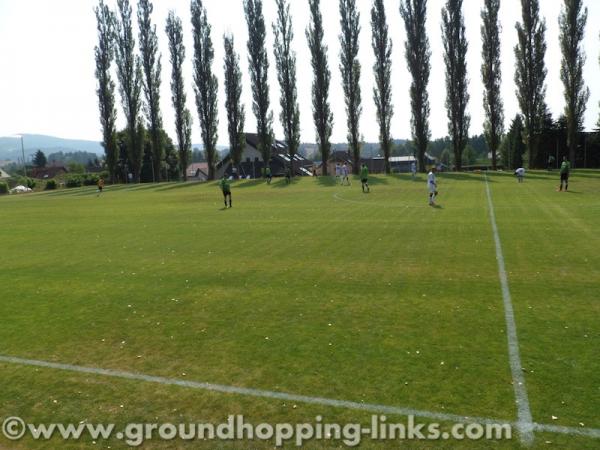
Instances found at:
x=268 y=174
x=338 y=171
x=432 y=186
x=100 y=185
x=413 y=169
x=288 y=175
x=520 y=173
x=226 y=188
x=364 y=178
x=565 y=168
x=345 y=173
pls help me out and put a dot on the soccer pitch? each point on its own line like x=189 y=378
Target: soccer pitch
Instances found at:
x=302 y=300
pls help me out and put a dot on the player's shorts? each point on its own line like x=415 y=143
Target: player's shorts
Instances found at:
x=432 y=188
x=364 y=180
x=226 y=193
x=564 y=176
x=100 y=188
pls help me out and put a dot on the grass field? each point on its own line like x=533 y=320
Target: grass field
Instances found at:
x=310 y=289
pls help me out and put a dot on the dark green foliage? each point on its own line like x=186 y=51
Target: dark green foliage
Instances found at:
x=491 y=75
x=51 y=185
x=418 y=54
x=39 y=159
x=513 y=146
x=457 y=94
x=151 y=66
x=285 y=60
x=382 y=69
x=259 y=67
x=3 y=187
x=27 y=182
x=530 y=74
x=129 y=73
x=350 y=70
x=236 y=114
x=183 y=118
x=572 y=21
x=104 y=55
x=322 y=115
x=205 y=84
x=73 y=181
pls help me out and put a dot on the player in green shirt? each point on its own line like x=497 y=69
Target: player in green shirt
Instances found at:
x=364 y=177
x=565 y=168
x=226 y=188
x=268 y=175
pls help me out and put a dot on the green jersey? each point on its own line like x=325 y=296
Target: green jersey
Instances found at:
x=565 y=167
x=364 y=173
x=225 y=185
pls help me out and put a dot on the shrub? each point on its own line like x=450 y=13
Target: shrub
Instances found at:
x=51 y=185
x=73 y=181
x=26 y=181
x=3 y=187
x=90 y=179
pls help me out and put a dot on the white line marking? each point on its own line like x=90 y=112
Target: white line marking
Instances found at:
x=374 y=408
x=524 y=421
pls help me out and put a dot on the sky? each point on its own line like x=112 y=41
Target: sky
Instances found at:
x=47 y=82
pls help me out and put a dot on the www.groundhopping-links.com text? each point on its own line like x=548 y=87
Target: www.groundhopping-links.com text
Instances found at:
x=237 y=429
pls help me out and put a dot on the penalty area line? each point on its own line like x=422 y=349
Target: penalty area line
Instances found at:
x=260 y=393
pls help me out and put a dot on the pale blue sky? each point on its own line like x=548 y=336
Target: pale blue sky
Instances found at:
x=47 y=82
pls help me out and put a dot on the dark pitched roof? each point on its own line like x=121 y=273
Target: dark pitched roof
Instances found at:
x=48 y=172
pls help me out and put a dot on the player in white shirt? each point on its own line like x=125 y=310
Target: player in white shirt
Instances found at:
x=520 y=173
x=413 y=169
x=338 y=171
x=432 y=186
x=345 y=173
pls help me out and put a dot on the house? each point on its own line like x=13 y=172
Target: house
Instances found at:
x=404 y=163
x=3 y=175
x=252 y=163
x=46 y=173
x=197 y=171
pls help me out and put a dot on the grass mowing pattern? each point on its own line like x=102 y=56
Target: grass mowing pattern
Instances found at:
x=310 y=288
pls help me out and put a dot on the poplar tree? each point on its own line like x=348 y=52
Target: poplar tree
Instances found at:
x=382 y=69
x=572 y=21
x=285 y=61
x=206 y=84
x=236 y=113
x=104 y=54
x=457 y=94
x=418 y=54
x=259 y=67
x=322 y=115
x=183 y=117
x=491 y=75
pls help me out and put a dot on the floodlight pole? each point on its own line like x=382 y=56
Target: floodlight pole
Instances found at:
x=23 y=152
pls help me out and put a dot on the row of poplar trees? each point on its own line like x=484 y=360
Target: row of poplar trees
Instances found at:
x=142 y=72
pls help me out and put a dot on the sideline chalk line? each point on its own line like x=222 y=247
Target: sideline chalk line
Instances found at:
x=370 y=407
x=524 y=418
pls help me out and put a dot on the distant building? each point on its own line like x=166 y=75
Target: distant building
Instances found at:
x=197 y=171
x=252 y=163
x=46 y=173
x=3 y=174
x=404 y=163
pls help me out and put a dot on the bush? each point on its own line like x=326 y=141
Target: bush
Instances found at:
x=90 y=179
x=51 y=185
x=3 y=187
x=73 y=181
x=27 y=182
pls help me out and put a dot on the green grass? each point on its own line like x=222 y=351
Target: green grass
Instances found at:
x=310 y=289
